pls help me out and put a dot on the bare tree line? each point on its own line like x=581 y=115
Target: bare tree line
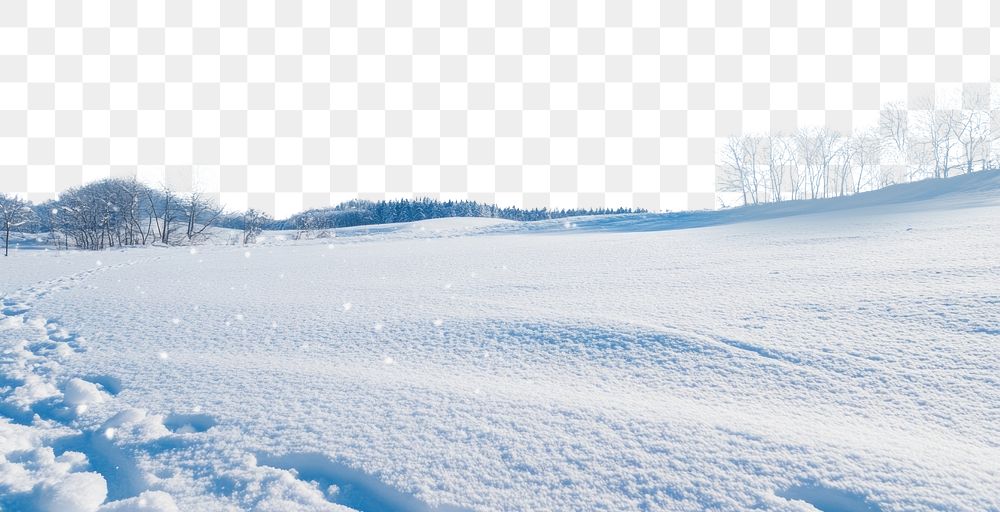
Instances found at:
x=116 y=212
x=908 y=145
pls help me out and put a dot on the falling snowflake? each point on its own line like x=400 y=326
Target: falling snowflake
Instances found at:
x=99 y=263
x=193 y=250
x=347 y=306
x=246 y=254
x=438 y=322
x=447 y=286
x=175 y=321
x=388 y=360
x=378 y=327
x=239 y=316
x=274 y=325
x=164 y=356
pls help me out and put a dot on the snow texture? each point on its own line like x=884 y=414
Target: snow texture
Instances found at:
x=836 y=355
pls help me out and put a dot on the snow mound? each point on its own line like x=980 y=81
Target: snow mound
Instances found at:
x=77 y=492
x=32 y=477
x=137 y=423
x=80 y=394
x=149 y=501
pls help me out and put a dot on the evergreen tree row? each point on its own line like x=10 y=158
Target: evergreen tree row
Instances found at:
x=360 y=212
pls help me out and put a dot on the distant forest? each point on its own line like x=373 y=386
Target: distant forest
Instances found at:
x=360 y=212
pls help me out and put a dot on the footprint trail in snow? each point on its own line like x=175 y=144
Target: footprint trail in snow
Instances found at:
x=49 y=462
x=45 y=462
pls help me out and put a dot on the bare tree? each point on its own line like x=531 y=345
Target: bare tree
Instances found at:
x=14 y=213
x=253 y=223
x=842 y=163
x=817 y=148
x=921 y=160
x=165 y=207
x=200 y=212
x=136 y=212
x=894 y=126
x=305 y=222
x=972 y=130
x=867 y=157
x=742 y=168
x=45 y=215
x=796 y=176
x=779 y=157
x=993 y=149
x=734 y=168
x=934 y=131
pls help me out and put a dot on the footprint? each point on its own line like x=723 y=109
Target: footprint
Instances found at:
x=58 y=333
x=14 y=309
x=47 y=348
x=188 y=423
x=108 y=384
x=828 y=499
x=348 y=486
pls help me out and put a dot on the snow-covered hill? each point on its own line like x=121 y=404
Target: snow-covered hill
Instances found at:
x=961 y=191
x=827 y=354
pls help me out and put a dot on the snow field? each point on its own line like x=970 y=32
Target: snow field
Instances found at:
x=841 y=359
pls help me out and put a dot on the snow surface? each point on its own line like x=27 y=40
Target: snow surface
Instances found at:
x=844 y=359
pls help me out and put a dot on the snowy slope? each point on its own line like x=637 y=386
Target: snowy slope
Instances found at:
x=958 y=192
x=846 y=358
